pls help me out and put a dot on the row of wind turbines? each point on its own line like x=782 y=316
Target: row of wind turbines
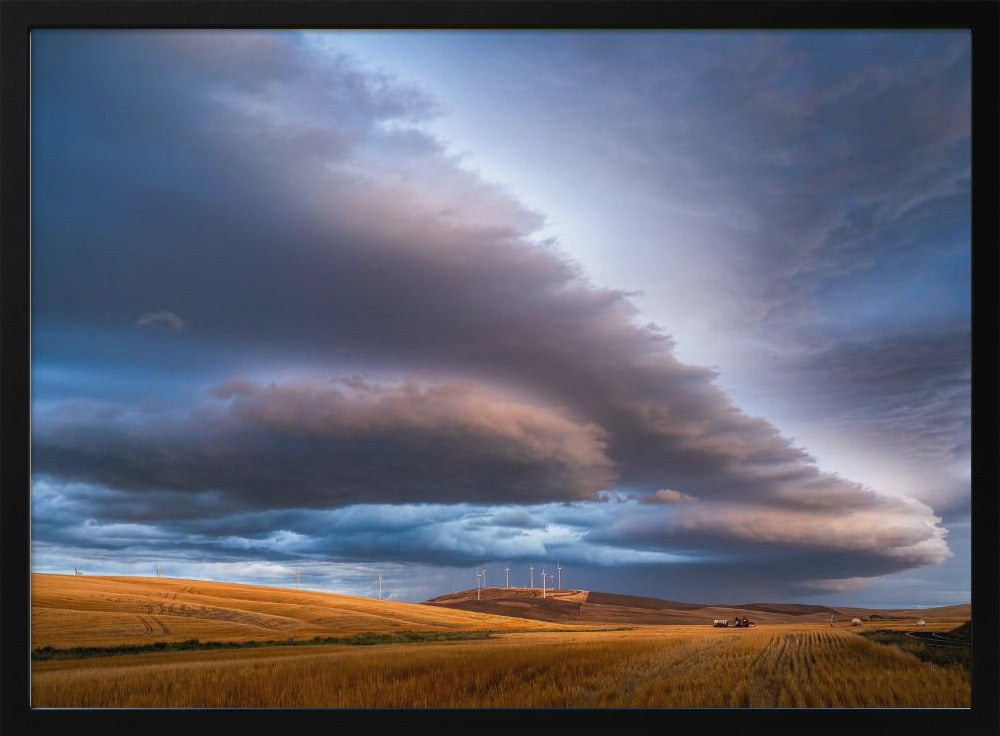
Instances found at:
x=546 y=577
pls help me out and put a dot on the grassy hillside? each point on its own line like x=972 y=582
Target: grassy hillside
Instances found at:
x=963 y=632
x=87 y=611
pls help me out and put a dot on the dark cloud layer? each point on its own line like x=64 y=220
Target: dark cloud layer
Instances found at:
x=292 y=210
x=744 y=551
x=908 y=394
x=825 y=180
x=432 y=295
x=914 y=389
x=332 y=444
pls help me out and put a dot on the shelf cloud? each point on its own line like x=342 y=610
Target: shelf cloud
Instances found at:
x=384 y=341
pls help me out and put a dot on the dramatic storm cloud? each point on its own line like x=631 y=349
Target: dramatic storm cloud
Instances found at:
x=321 y=445
x=374 y=351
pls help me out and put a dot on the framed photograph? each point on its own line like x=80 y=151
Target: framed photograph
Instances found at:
x=380 y=364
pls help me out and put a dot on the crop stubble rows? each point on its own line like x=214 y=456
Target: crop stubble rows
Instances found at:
x=775 y=666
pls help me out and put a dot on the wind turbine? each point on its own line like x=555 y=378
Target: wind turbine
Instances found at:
x=531 y=567
x=559 y=568
x=506 y=569
x=478 y=588
x=380 y=585
x=543 y=581
x=297 y=580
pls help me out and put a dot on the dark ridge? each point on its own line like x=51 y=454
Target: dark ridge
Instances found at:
x=638 y=601
x=574 y=606
x=543 y=609
x=794 y=609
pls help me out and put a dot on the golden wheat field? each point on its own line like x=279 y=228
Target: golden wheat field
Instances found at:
x=771 y=666
x=70 y=611
x=524 y=664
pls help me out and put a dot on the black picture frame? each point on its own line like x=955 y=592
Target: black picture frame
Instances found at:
x=20 y=17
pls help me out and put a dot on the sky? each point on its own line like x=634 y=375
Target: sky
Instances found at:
x=685 y=313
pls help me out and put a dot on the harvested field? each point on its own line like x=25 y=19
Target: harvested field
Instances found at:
x=160 y=642
x=676 y=666
x=71 y=611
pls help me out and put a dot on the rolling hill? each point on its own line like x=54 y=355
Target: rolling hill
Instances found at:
x=592 y=607
x=74 y=611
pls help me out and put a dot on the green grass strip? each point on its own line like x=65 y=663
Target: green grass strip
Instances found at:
x=942 y=656
x=368 y=638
